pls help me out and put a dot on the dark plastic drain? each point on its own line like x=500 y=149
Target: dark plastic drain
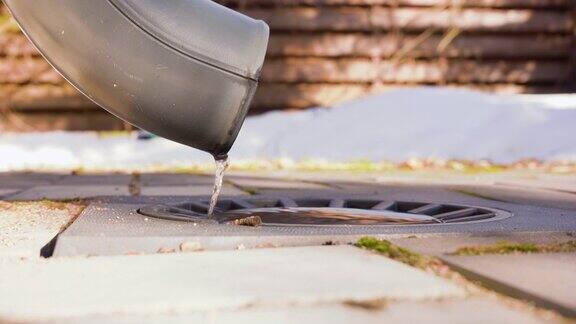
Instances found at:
x=309 y=212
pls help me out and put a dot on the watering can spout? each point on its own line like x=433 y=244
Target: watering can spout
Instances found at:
x=185 y=70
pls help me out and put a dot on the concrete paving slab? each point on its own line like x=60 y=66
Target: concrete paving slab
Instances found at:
x=543 y=278
x=112 y=226
x=208 y=281
x=524 y=196
x=71 y=192
x=255 y=183
x=465 y=191
x=425 y=176
x=390 y=176
x=26 y=227
x=400 y=191
x=24 y=180
x=566 y=183
x=95 y=179
x=448 y=244
x=171 y=179
x=471 y=310
x=191 y=190
x=8 y=192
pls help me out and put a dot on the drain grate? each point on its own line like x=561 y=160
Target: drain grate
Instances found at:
x=313 y=212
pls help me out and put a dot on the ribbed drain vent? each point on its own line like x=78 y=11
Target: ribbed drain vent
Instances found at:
x=286 y=211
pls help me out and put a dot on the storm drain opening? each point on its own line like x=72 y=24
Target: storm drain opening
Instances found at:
x=332 y=212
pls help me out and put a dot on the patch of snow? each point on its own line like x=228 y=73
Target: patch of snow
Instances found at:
x=75 y=150
x=397 y=125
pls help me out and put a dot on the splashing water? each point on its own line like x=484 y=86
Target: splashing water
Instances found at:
x=221 y=166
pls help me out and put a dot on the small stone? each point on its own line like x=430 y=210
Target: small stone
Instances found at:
x=253 y=221
x=369 y=305
x=166 y=250
x=190 y=247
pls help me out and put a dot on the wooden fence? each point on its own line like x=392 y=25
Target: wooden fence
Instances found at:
x=323 y=52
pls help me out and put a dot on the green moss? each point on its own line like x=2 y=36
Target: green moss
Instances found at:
x=509 y=248
x=394 y=252
x=250 y=190
x=51 y=204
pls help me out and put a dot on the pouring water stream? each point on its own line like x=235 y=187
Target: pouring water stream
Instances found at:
x=221 y=166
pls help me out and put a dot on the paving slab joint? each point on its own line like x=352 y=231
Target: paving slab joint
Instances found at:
x=477 y=195
x=510 y=291
x=252 y=191
x=469 y=280
x=134 y=187
x=48 y=249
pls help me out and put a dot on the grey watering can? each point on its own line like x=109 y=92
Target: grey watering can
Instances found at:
x=182 y=69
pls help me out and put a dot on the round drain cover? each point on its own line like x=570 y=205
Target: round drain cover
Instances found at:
x=310 y=212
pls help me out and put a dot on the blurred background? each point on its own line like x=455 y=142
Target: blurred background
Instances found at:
x=323 y=52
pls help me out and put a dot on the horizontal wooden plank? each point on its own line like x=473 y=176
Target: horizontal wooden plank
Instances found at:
x=349 y=70
x=463 y=46
x=360 y=72
x=70 y=121
x=386 y=45
x=27 y=70
x=296 y=96
x=280 y=96
x=73 y=102
x=55 y=105
x=16 y=44
x=414 y=19
x=364 y=70
x=43 y=97
x=423 y=3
